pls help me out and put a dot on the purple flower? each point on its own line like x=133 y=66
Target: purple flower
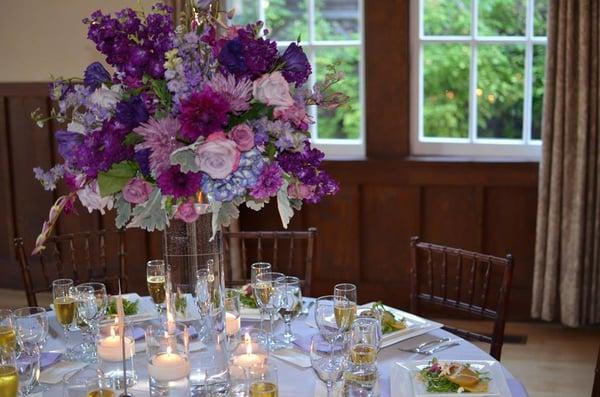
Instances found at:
x=237 y=92
x=160 y=137
x=95 y=75
x=269 y=182
x=50 y=178
x=203 y=113
x=137 y=191
x=247 y=55
x=296 y=68
x=177 y=184
x=67 y=143
x=142 y=157
x=132 y=112
x=187 y=212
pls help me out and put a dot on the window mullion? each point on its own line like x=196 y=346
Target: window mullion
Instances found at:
x=473 y=74
x=262 y=15
x=312 y=56
x=528 y=80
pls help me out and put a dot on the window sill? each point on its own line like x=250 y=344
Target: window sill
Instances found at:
x=473 y=159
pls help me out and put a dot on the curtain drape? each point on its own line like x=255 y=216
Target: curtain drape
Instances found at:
x=567 y=250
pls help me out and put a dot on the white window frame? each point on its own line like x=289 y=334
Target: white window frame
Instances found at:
x=333 y=148
x=472 y=145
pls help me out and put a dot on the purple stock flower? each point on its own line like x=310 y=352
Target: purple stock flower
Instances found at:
x=67 y=143
x=178 y=184
x=296 y=68
x=142 y=157
x=132 y=112
x=269 y=182
x=95 y=75
x=203 y=113
x=247 y=55
x=49 y=178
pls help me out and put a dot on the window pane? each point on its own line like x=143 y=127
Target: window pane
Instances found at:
x=537 y=90
x=499 y=91
x=336 y=20
x=345 y=123
x=246 y=11
x=502 y=17
x=540 y=17
x=447 y=17
x=446 y=90
x=286 y=19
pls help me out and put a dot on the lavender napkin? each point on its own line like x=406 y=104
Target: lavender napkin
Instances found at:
x=49 y=358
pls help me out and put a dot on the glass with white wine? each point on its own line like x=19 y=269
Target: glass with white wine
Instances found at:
x=156 y=279
x=264 y=289
x=9 y=377
x=8 y=338
x=344 y=295
x=64 y=306
x=365 y=341
x=256 y=269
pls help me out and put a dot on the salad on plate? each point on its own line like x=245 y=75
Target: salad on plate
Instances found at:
x=452 y=377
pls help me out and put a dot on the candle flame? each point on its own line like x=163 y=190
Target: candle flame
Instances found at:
x=248 y=342
x=199 y=197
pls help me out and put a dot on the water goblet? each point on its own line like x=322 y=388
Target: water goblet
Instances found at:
x=8 y=338
x=31 y=326
x=328 y=360
x=87 y=312
x=64 y=307
x=255 y=270
x=156 y=280
x=288 y=300
x=325 y=318
x=28 y=369
x=264 y=289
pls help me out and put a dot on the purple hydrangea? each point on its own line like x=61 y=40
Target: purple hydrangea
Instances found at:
x=95 y=75
x=296 y=68
x=202 y=113
x=248 y=55
x=269 y=182
x=178 y=184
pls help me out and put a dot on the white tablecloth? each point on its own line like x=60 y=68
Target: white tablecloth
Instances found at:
x=300 y=382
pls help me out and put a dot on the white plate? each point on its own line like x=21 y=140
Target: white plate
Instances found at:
x=146 y=309
x=415 y=325
x=404 y=381
x=249 y=313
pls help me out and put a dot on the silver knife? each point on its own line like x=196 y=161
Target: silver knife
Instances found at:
x=439 y=348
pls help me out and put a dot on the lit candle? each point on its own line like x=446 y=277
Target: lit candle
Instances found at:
x=169 y=366
x=110 y=349
x=249 y=359
x=232 y=324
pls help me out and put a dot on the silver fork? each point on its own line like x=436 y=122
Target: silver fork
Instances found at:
x=425 y=345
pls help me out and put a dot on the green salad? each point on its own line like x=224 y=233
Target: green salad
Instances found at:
x=129 y=307
x=247 y=298
x=389 y=322
x=450 y=377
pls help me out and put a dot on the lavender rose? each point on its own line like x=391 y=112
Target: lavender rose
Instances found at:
x=243 y=136
x=273 y=90
x=218 y=156
x=187 y=212
x=137 y=191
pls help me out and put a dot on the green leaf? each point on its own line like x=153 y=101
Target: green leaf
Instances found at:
x=257 y=110
x=123 y=211
x=162 y=92
x=150 y=215
x=113 y=180
x=132 y=139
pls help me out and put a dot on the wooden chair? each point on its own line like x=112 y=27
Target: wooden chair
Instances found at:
x=447 y=272
x=83 y=256
x=596 y=388
x=289 y=252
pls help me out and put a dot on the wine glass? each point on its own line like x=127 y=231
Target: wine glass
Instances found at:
x=344 y=305
x=28 y=369
x=31 y=326
x=255 y=270
x=64 y=306
x=87 y=312
x=328 y=360
x=8 y=338
x=325 y=318
x=9 y=377
x=156 y=279
x=264 y=289
x=288 y=300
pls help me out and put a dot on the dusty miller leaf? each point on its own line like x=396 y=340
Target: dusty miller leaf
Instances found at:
x=283 y=205
x=185 y=157
x=224 y=213
x=256 y=205
x=150 y=215
x=123 y=211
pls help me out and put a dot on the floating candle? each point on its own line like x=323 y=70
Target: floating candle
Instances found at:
x=110 y=348
x=169 y=366
x=249 y=359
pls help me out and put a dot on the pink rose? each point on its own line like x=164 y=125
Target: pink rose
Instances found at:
x=294 y=114
x=243 y=136
x=187 y=212
x=218 y=156
x=273 y=90
x=137 y=191
x=300 y=191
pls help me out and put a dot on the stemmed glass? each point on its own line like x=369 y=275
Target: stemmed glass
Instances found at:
x=325 y=318
x=64 y=306
x=9 y=377
x=344 y=296
x=257 y=269
x=88 y=311
x=7 y=330
x=328 y=360
x=264 y=291
x=364 y=343
x=31 y=326
x=156 y=279
x=288 y=299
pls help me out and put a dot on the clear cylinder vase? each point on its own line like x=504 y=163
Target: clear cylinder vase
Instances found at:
x=194 y=258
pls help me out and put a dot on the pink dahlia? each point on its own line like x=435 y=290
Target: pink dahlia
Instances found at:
x=237 y=92
x=203 y=113
x=160 y=136
x=178 y=184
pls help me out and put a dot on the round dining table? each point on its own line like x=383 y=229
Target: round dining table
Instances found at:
x=299 y=380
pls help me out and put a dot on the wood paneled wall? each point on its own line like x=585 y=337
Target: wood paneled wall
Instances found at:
x=364 y=231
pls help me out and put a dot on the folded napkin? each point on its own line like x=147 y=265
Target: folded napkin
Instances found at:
x=49 y=358
x=293 y=356
x=56 y=373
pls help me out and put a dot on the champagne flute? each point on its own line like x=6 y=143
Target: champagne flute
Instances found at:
x=64 y=306
x=8 y=338
x=255 y=270
x=264 y=293
x=288 y=298
x=345 y=305
x=328 y=360
x=156 y=279
x=9 y=377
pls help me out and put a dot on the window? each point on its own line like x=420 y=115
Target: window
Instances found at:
x=330 y=31
x=478 y=73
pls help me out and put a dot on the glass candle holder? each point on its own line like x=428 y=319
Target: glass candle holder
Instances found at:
x=248 y=354
x=233 y=321
x=167 y=350
x=109 y=351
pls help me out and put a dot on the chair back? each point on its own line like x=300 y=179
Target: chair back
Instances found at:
x=289 y=252
x=84 y=256
x=462 y=281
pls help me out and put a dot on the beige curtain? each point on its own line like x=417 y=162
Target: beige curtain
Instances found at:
x=567 y=262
